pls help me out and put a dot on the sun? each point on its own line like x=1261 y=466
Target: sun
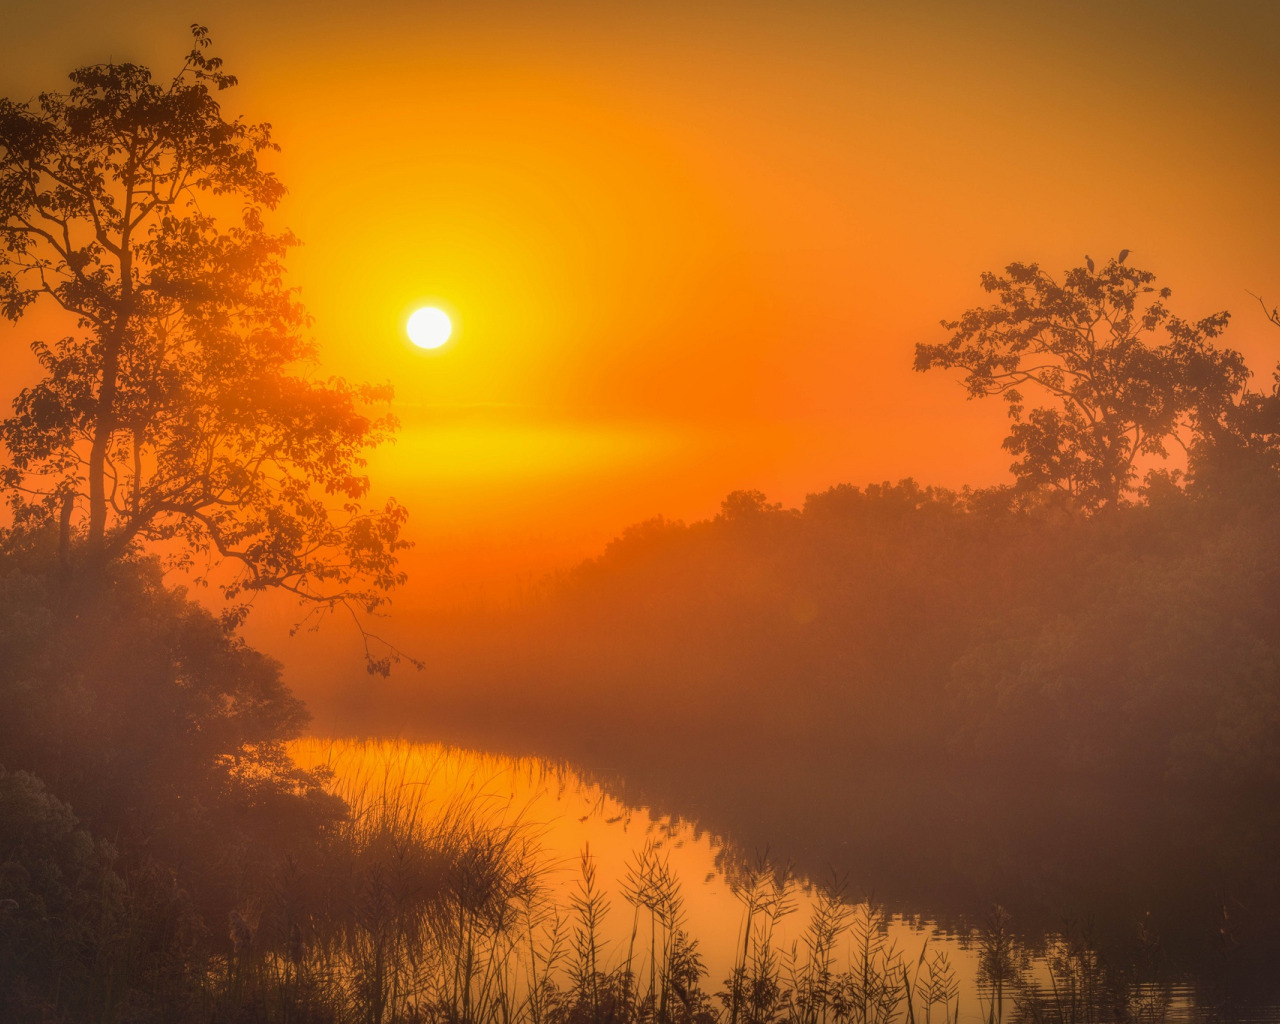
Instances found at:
x=429 y=327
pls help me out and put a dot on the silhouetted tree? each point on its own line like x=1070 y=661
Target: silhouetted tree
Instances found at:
x=1239 y=448
x=1123 y=374
x=181 y=407
x=179 y=414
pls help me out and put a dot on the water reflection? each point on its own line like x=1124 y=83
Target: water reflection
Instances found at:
x=635 y=914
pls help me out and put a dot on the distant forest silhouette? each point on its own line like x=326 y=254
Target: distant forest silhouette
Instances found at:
x=1054 y=694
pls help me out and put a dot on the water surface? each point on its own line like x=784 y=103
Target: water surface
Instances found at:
x=735 y=903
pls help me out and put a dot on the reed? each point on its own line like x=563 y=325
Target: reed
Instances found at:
x=430 y=903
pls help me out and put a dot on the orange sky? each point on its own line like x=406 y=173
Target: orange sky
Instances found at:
x=689 y=247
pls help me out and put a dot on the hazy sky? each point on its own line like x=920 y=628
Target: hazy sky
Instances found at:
x=689 y=247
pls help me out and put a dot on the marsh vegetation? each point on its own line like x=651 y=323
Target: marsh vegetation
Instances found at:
x=436 y=898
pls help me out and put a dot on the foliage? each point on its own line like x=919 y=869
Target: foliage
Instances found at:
x=181 y=414
x=1092 y=344
x=1239 y=449
x=161 y=728
x=182 y=408
x=1051 y=692
x=60 y=903
x=161 y=666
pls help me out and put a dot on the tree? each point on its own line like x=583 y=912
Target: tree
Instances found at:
x=1240 y=448
x=1123 y=374
x=183 y=409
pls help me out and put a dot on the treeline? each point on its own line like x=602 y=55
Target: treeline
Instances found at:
x=954 y=696
x=950 y=697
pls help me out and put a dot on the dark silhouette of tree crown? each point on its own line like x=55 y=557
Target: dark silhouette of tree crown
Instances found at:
x=184 y=408
x=1123 y=374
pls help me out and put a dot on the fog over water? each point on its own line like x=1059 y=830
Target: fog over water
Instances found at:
x=951 y=706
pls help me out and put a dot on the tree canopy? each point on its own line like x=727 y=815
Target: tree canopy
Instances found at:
x=1124 y=376
x=184 y=406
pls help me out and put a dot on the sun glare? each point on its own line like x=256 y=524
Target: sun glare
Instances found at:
x=429 y=327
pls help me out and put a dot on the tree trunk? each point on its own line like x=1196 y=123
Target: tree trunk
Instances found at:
x=64 y=531
x=105 y=420
x=96 y=541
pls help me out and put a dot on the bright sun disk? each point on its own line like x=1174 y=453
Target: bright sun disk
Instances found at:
x=429 y=327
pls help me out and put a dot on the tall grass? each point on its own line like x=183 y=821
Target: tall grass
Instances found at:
x=431 y=903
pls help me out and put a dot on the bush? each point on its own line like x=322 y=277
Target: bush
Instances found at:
x=61 y=904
